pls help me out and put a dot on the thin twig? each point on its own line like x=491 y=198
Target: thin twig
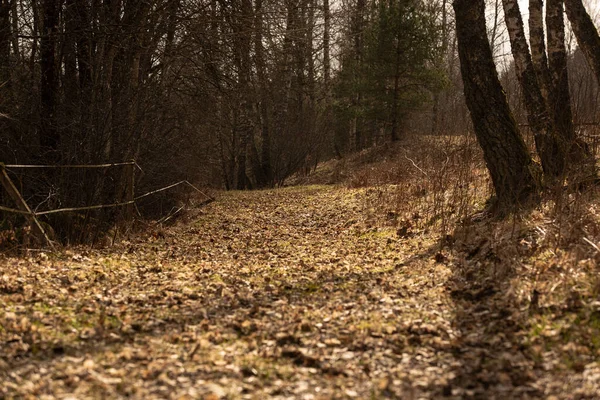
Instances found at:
x=594 y=245
x=416 y=166
x=8 y=166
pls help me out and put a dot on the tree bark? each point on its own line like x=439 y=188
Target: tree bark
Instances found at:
x=265 y=133
x=395 y=135
x=357 y=35
x=15 y=28
x=538 y=45
x=326 y=35
x=579 y=157
x=508 y=161
x=586 y=33
x=559 y=97
x=245 y=124
x=70 y=84
x=5 y=40
x=49 y=135
x=547 y=141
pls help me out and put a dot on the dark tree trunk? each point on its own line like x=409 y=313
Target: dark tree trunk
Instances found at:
x=5 y=40
x=172 y=9
x=265 y=133
x=357 y=34
x=49 y=135
x=15 y=28
x=395 y=136
x=84 y=68
x=586 y=33
x=70 y=84
x=547 y=141
x=326 y=34
x=245 y=124
x=506 y=156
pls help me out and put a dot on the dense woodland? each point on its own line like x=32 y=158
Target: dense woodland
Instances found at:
x=243 y=94
x=234 y=94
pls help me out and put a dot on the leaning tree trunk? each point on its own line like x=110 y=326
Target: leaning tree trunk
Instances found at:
x=547 y=140
x=506 y=156
x=586 y=33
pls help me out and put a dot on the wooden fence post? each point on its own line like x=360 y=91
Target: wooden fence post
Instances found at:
x=13 y=192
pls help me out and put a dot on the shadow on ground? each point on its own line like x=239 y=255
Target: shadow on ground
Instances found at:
x=491 y=349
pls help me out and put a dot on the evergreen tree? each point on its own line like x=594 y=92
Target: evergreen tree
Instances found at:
x=397 y=71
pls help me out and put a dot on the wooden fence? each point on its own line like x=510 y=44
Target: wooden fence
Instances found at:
x=128 y=201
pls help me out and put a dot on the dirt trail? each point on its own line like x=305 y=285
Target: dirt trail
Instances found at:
x=299 y=293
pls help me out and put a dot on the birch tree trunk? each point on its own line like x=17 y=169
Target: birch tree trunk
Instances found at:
x=506 y=156
x=579 y=156
x=538 y=45
x=559 y=97
x=586 y=33
x=547 y=141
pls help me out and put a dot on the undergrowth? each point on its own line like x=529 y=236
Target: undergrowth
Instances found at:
x=542 y=263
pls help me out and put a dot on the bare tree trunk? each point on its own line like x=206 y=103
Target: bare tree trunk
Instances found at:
x=245 y=125
x=104 y=76
x=5 y=39
x=538 y=45
x=559 y=99
x=265 y=133
x=311 y=111
x=70 y=83
x=586 y=33
x=395 y=136
x=357 y=33
x=579 y=157
x=505 y=153
x=173 y=7
x=547 y=141
x=84 y=67
x=15 y=28
x=436 y=95
x=326 y=34
x=494 y=34
x=49 y=135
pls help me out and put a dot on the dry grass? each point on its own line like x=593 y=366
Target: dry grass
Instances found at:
x=541 y=265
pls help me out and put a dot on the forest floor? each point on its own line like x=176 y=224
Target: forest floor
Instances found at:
x=308 y=292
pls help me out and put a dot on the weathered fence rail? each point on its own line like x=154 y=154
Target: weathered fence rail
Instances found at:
x=32 y=216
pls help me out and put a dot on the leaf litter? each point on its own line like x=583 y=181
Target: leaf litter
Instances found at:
x=300 y=293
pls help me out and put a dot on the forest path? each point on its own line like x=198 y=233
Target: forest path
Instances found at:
x=299 y=293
